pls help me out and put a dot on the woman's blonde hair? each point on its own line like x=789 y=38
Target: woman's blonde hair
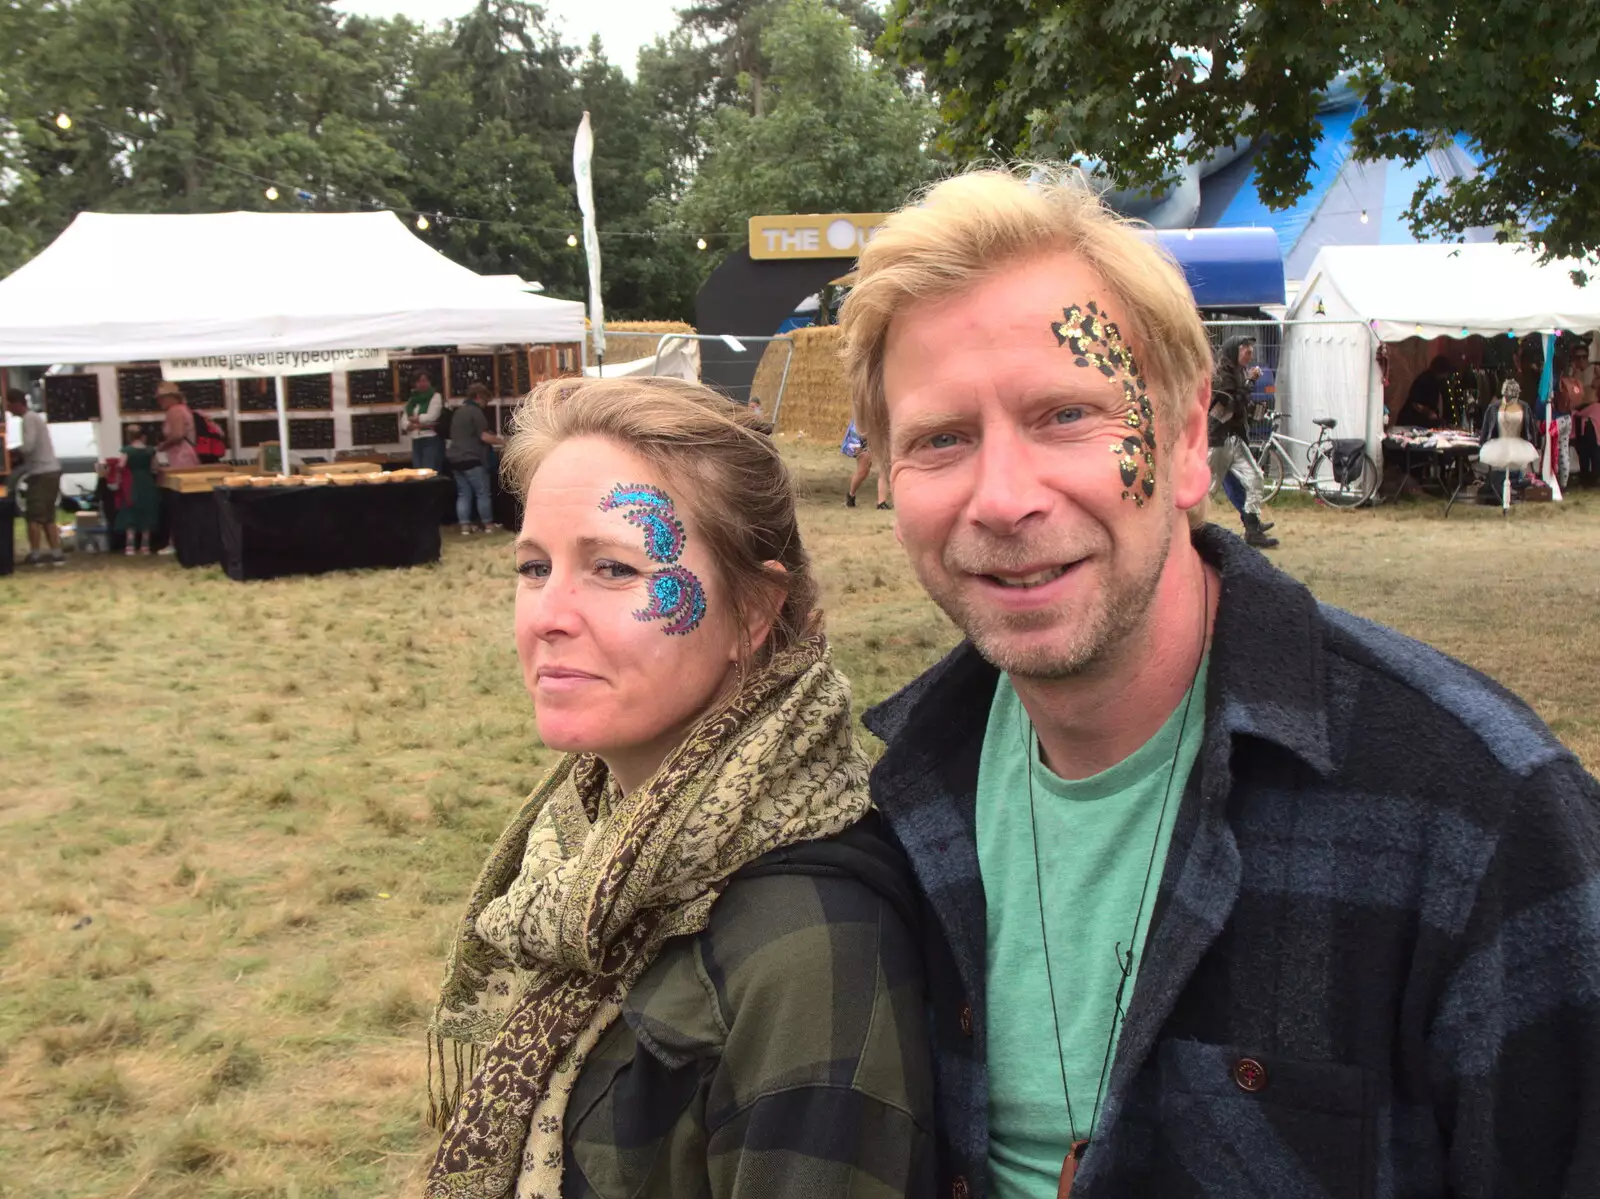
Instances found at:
x=720 y=465
x=977 y=224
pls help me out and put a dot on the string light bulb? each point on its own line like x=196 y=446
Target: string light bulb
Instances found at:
x=63 y=121
x=1363 y=216
x=271 y=193
x=700 y=243
x=422 y=221
x=572 y=239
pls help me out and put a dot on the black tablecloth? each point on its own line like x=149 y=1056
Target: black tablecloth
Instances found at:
x=8 y=535
x=270 y=532
x=196 y=535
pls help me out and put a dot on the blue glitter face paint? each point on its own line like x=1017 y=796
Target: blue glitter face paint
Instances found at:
x=649 y=509
x=676 y=595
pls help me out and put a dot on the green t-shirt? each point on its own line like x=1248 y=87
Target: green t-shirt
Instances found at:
x=1094 y=836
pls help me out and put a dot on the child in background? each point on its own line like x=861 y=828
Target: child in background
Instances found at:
x=139 y=500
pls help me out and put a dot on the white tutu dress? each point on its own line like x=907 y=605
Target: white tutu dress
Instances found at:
x=1509 y=451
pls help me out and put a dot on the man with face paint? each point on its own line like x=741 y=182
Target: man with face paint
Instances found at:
x=1226 y=892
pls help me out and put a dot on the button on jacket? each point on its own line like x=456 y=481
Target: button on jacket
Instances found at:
x=1374 y=967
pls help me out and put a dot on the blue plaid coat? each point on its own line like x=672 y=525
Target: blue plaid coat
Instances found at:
x=1374 y=969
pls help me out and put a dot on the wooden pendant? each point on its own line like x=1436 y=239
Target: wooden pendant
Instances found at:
x=1069 y=1169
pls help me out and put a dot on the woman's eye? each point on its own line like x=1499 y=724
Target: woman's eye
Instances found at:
x=615 y=570
x=534 y=569
x=1068 y=416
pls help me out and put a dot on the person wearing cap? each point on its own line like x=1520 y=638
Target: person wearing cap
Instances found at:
x=177 y=427
x=1227 y=434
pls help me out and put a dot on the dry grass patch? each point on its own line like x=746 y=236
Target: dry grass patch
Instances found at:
x=240 y=820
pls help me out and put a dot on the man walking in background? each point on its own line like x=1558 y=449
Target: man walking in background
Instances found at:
x=42 y=471
x=1228 y=436
x=469 y=456
x=1227 y=892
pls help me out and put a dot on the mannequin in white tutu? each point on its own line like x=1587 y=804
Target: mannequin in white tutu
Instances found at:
x=1510 y=448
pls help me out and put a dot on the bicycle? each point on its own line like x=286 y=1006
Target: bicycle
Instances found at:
x=1337 y=479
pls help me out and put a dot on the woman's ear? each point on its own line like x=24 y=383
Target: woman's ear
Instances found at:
x=762 y=616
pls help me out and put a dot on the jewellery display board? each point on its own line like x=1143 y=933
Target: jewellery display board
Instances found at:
x=253 y=432
x=368 y=388
x=512 y=373
x=205 y=394
x=467 y=369
x=309 y=393
x=258 y=395
x=406 y=371
x=136 y=388
x=71 y=398
x=311 y=433
x=374 y=428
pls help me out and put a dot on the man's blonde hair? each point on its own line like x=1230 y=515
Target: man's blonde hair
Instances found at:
x=980 y=223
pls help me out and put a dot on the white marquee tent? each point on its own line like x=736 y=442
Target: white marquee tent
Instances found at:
x=121 y=288
x=1356 y=296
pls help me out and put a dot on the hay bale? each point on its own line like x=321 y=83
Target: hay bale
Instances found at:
x=628 y=341
x=816 y=399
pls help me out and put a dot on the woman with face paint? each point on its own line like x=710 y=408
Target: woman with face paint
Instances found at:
x=688 y=966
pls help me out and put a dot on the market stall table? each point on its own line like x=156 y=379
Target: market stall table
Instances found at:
x=1442 y=455
x=269 y=532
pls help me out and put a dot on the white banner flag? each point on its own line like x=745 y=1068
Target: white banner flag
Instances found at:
x=582 y=156
x=271 y=363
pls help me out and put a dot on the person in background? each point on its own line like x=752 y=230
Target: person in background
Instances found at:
x=423 y=408
x=177 y=427
x=469 y=454
x=686 y=969
x=42 y=471
x=1424 y=406
x=1565 y=399
x=1585 y=414
x=1227 y=435
x=863 y=459
x=138 y=517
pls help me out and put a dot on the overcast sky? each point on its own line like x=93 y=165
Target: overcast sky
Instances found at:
x=623 y=25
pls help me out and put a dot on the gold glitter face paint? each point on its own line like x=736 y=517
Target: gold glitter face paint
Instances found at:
x=1097 y=344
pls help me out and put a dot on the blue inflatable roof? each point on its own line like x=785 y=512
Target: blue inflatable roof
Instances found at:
x=1228 y=268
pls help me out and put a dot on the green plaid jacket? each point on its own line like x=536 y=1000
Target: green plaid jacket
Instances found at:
x=781 y=1052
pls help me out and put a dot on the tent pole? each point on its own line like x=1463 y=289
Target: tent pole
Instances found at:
x=283 y=426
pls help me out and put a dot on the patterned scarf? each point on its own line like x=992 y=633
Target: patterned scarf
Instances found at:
x=586 y=884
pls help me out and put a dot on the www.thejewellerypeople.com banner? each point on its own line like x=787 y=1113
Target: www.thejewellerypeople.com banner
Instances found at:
x=270 y=363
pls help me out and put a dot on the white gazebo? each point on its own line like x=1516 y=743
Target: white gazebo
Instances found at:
x=125 y=288
x=1355 y=297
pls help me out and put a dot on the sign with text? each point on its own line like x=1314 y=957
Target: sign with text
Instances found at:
x=269 y=364
x=815 y=235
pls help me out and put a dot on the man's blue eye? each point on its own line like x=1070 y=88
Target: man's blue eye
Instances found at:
x=941 y=441
x=1068 y=416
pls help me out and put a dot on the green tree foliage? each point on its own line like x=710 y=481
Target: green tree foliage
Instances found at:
x=177 y=103
x=205 y=105
x=1146 y=86
x=838 y=133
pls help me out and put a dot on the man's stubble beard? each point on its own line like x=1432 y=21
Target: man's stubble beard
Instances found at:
x=1086 y=638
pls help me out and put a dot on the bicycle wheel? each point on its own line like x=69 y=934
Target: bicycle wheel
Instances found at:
x=1352 y=492
x=1271 y=464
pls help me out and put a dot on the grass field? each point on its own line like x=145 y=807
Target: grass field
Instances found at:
x=239 y=821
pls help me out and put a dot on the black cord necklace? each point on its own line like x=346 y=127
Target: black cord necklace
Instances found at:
x=1069 y=1166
